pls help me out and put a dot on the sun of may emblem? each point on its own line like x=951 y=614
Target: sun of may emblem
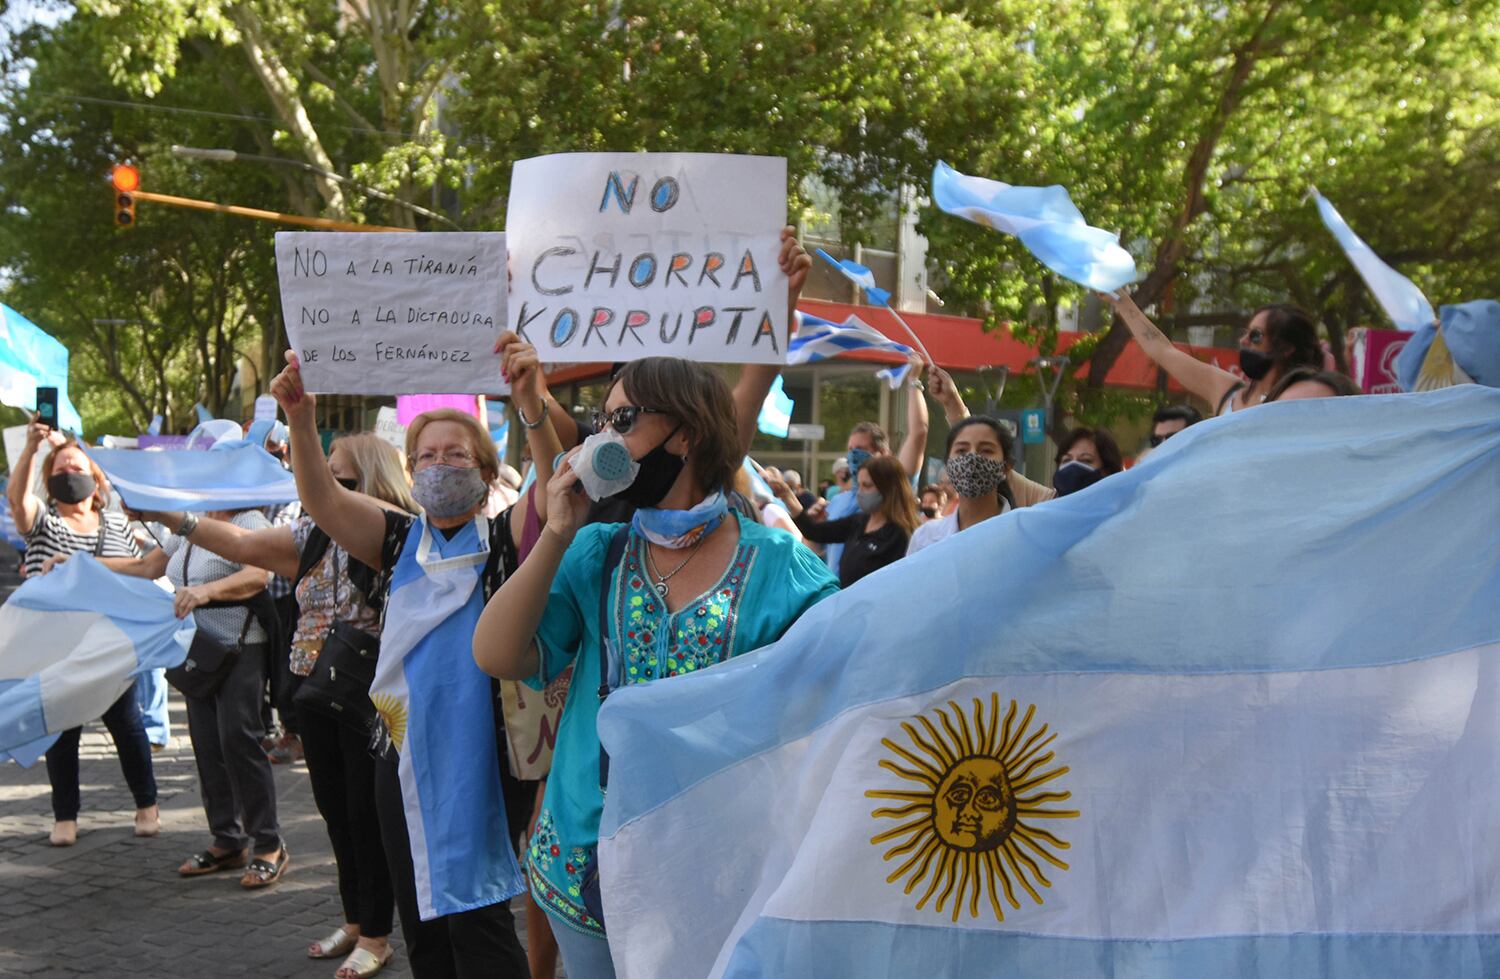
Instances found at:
x=968 y=820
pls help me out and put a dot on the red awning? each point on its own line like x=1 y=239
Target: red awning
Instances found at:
x=958 y=343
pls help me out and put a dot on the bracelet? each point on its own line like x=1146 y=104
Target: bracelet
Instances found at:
x=189 y=524
x=541 y=416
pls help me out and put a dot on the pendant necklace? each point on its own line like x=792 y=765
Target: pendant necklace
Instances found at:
x=660 y=585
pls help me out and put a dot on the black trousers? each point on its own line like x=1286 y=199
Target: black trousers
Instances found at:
x=234 y=776
x=478 y=944
x=342 y=772
x=128 y=728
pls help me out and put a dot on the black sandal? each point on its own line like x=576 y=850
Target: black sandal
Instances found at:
x=209 y=862
x=263 y=873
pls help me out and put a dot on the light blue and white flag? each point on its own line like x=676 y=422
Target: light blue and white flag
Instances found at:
x=1165 y=726
x=1047 y=222
x=71 y=642
x=819 y=339
x=776 y=411
x=230 y=478
x=32 y=358
x=860 y=276
x=1402 y=301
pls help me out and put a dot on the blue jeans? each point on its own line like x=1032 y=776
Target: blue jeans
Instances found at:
x=124 y=722
x=584 y=956
x=151 y=690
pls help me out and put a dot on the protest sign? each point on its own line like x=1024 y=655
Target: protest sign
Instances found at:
x=265 y=408
x=389 y=429
x=394 y=313
x=618 y=256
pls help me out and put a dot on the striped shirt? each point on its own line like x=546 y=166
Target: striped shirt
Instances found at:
x=51 y=536
x=223 y=624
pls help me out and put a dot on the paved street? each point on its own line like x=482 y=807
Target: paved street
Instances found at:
x=113 y=905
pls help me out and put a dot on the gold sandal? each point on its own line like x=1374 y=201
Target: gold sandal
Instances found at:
x=364 y=963
x=339 y=943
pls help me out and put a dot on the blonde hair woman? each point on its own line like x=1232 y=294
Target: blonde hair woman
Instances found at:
x=451 y=859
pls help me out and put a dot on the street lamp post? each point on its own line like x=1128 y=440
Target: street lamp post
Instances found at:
x=1049 y=372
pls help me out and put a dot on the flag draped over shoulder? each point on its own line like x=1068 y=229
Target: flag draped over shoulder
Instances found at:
x=1402 y=301
x=1045 y=219
x=71 y=642
x=1234 y=711
x=233 y=478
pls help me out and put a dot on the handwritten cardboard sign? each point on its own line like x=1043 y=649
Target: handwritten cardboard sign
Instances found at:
x=617 y=256
x=372 y=313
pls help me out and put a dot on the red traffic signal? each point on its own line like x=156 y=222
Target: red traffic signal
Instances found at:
x=127 y=180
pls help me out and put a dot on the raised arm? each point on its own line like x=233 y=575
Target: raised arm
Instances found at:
x=1206 y=381
x=756 y=379
x=528 y=392
x=914 y=446
x=945 y=392
x=25 y=508
x=272 y=548
x=352 y=519
x=505 y=637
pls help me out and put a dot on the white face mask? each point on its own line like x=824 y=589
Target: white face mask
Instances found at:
x=604 y=465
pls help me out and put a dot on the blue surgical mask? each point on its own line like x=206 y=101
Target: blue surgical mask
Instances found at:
x=857 y=458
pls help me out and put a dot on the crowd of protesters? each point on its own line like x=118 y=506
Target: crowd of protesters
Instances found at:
x=437 y=557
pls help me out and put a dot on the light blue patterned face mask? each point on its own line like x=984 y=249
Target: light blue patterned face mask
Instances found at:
x=448 y=491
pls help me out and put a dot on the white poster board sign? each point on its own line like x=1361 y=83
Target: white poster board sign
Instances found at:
x=15 y=443
x=617 y=256
x=265 y=408
x=387 y=313
x=388 y=428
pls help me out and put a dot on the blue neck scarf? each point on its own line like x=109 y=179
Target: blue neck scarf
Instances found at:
x=681 y=528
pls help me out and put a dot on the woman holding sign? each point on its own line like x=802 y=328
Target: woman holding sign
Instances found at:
x=683 y=586
x=449 y=811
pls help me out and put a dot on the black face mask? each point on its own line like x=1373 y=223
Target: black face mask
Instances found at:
x=1074 y=476
x=347 y=483
x=1254 y=364
x=659 y=470
x=71 y=487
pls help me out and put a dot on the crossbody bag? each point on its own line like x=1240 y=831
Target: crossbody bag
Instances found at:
x=209 y=660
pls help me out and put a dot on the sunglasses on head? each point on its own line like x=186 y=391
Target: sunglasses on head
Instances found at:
x=622 y=419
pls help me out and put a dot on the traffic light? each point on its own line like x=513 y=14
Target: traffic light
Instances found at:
x=126 y=180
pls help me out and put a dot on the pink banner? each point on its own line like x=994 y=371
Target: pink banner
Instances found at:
x=409 y=406
x=1372 y=358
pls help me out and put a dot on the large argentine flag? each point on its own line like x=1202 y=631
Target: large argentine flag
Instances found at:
x=1235 y=711
x=70 y=644
x=234 y=478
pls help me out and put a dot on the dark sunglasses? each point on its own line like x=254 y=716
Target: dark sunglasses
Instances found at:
x=1159 y=439
x=1255 y=336
x=622 y=419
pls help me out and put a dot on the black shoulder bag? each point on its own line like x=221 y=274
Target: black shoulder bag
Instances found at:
x=339 y=684
x=209 y=660
x=593 y=899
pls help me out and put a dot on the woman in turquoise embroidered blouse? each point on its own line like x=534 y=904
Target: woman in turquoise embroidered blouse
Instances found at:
x=694 y=586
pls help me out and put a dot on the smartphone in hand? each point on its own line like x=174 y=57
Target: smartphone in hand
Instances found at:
x=46 y=406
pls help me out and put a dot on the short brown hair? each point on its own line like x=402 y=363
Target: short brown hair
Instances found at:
x=480 y=442
x=698 y=398
x=878 y=438
x=101 y=484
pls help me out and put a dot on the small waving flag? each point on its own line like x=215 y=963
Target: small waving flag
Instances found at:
x=1402 y=301
x=1046 y=221
x=776 y=412
x=860 y=276
x=819 y=339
